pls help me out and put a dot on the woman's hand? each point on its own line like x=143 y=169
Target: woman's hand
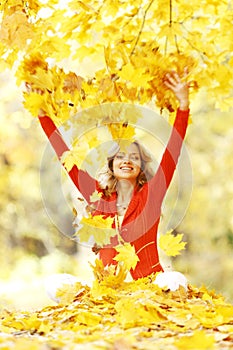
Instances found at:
x=29 y=89
x=180 y=88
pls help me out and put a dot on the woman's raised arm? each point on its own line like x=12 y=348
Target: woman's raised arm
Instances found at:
x=171 y=154
x=82 y=180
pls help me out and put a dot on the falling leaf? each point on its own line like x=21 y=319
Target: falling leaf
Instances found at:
x=170 y=244
x=98 y=227
x=95 y=196
x=127 y=255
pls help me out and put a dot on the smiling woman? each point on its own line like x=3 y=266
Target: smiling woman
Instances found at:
x=133 y=162
x=130 y=193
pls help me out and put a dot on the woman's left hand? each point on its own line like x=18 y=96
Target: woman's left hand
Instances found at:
x=180 y=87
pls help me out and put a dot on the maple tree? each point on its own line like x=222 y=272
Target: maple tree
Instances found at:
x=132 y=45
x=131 y=63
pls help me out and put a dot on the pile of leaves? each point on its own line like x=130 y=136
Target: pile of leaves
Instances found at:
x=119 y=315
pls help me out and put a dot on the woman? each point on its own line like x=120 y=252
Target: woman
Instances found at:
x=132 y=194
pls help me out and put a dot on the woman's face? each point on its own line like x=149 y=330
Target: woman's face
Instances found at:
x=127 y=164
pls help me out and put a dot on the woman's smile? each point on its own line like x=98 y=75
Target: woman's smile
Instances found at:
x=126 y=168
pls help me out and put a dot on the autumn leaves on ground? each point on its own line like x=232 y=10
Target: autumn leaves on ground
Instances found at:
x=74 y=55
x=118 y=315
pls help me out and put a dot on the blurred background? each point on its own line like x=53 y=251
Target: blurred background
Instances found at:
x=32 y=240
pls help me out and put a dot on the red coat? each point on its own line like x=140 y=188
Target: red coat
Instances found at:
x=141 y=220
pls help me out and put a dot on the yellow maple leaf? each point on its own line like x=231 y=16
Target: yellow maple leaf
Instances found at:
x=107 y=278
x=199 y=340
x=83 y=52
x=98 y=227
x=76 y=156
x=171 y=244
x=121 y=131
x=88 y=318
x=67 y=292
x=136 y=76
x=136 y=311
x=34 y=103
x=95 y=196
x=43 y=79
x=91 y=138
x=30 y=65
x=127 y=255
x=16 y=29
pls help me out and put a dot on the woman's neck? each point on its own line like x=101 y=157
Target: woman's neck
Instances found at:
x=124 y=192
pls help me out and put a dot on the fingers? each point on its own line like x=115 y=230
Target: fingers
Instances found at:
x=173 y=78
x=186 y=72
x=168 y=84
x=174 y=81
x=29 y=89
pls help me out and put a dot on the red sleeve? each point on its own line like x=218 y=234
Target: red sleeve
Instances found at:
x=172 y=152
x=82 y=180
x=53 y=135
x=164 y=174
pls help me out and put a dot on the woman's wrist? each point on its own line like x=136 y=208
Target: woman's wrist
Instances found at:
x=183 y=105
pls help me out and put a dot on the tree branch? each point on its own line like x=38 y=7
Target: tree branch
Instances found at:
x=176 y=42
x=141 y=29
x=114 y=83
x=170 y=14
x=170 y=25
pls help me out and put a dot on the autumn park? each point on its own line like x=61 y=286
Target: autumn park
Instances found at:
x=103 y=73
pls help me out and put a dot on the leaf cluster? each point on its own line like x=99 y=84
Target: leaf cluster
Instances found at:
x=131 y=46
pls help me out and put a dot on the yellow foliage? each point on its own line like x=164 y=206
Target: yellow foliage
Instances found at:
x=199 y=340
x=95 y=196
x=122 y=133
x=131 y=46
x=83 y=52
x=98 y=227
x=153 y=36
x=67 y=293
x=36 y=103
x=132 y=312
x=171 y=244
x=136 y=76
x=15 y=30
x=112 y=309
x=126 y=255
x=55 y=47
x=76 y=156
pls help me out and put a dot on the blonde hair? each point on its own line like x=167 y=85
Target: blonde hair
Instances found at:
x=106 y=178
